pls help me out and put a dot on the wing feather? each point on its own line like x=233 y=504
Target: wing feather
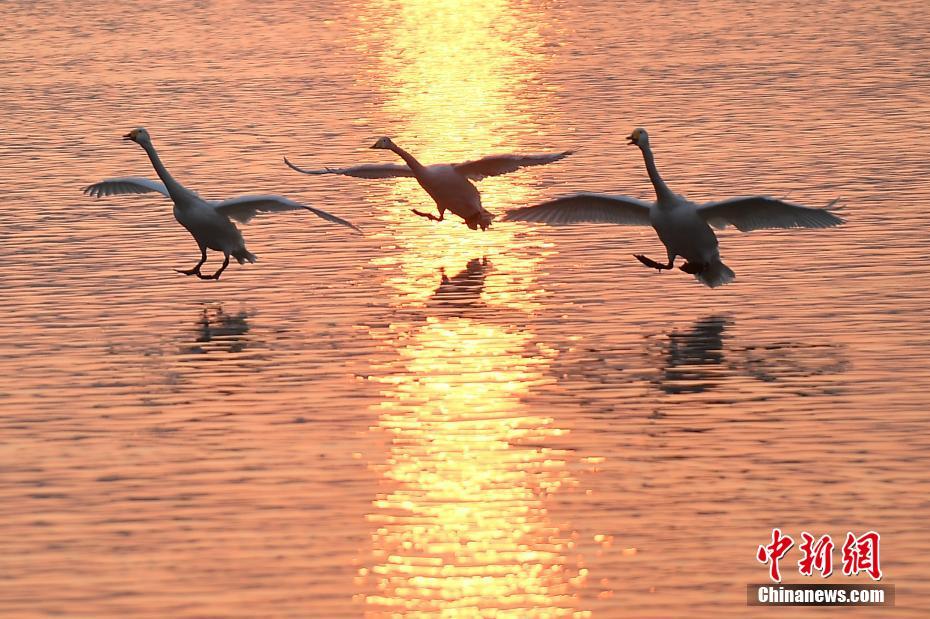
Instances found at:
x=124 y=185
x=762 y=212
x=367 y=170
x=585 y=208
x=244 y=208
x=496 y=165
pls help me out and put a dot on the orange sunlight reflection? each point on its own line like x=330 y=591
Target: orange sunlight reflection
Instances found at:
x=462 y=528
x=465 y=530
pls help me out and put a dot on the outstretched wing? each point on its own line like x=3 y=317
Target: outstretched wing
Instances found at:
x=759 y=212
x=502 y=164
x=123 y=185
x=246 y=207
x=367 y=170
x=585 y=208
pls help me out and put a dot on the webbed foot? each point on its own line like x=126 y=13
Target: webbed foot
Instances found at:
x=652 y=264
x=429 y=216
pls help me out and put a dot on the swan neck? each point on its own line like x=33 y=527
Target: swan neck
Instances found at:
x=662 y=190
x=410 y=160
x=174 y=187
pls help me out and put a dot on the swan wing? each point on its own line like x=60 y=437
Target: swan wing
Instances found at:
x=585 y=208
x=246 y=207
x=367 y=170
x=124 y=185
x=760 y=212
x=503 y=164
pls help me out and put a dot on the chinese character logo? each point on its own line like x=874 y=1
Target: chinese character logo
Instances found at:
x=774 y=552
x=817 y=555
x=860 y=554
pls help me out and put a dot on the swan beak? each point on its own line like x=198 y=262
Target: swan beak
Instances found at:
x=128 y=136
x=632 y=140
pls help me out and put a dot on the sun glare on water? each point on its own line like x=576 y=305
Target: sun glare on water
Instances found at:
x=462 y=527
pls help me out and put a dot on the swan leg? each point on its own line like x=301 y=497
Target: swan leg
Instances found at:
x=429 y=216
x=196 y=269
x=652 y=264
x=219 y=272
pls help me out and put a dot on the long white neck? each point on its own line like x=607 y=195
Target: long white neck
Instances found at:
x=662 y=190
x=411 y=161
x=174 y=188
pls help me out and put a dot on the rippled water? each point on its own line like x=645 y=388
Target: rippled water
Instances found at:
x=428 y=420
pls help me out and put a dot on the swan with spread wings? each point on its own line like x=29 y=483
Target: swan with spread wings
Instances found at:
x=449 y=185
x=682 y=226
x=208 y=221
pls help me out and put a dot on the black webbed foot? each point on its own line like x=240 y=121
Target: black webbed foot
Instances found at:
x=429 y=216
x=652 y=264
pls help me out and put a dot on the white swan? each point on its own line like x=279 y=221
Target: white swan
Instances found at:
x=682 y=226
x=208 y=221
x=449 y=185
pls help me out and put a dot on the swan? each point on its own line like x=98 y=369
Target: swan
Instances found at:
x=208 y=221
x=682 y=226
x=449 y=185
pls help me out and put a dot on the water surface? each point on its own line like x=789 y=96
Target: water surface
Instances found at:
x=430 y=421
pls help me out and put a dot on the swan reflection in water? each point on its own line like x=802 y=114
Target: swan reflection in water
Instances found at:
x=691 y=356
x=462 y=290
x=217 y=331
x=707 y=357
x=700 y=358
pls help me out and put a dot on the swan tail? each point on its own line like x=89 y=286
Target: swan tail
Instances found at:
x=244 y=255
x=716 y=274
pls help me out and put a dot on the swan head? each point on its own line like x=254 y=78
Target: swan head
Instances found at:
x=639 y=137
x=138 y=135
x=385 y=143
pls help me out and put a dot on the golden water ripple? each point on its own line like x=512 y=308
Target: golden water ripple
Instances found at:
x=426 y=420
